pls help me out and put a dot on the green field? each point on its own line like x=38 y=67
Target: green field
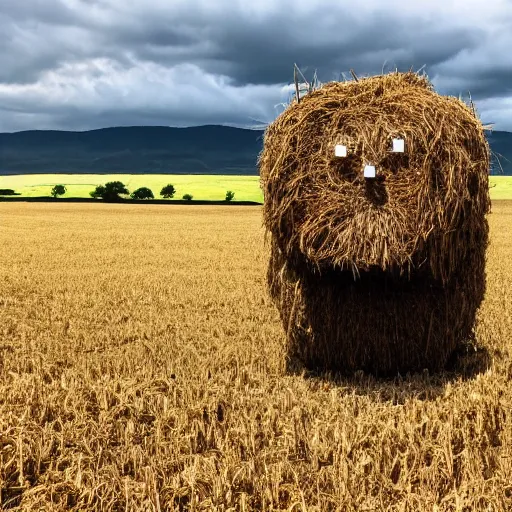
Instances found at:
x=501 y=187
x=206 y=187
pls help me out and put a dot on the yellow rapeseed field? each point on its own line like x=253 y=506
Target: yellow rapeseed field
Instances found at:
x=142 y=369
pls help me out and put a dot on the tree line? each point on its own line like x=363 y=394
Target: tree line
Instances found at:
x=113 y=190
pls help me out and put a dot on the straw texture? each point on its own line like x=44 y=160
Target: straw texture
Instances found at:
x=383 y=274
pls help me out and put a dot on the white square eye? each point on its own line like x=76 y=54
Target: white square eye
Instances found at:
x=398 y=145
x=340 y=150
x=369 y=171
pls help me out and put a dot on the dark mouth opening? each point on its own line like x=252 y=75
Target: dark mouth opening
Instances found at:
x=376 y=191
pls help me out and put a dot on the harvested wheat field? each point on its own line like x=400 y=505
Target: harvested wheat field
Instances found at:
x=142 y=368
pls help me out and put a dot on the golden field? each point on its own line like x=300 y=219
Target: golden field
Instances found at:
x=142 y=368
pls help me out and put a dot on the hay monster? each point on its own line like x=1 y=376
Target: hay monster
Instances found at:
x=376 y=194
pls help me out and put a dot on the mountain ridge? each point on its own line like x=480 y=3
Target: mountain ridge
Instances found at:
x=207 y=149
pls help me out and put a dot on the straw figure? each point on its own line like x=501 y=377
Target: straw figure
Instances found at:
x=375 y=203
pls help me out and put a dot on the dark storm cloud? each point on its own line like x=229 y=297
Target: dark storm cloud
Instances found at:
x=78 y=64
x=363 y=46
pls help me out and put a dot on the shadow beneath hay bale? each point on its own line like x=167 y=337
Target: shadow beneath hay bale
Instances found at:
x=469 y=361
x=465 y=364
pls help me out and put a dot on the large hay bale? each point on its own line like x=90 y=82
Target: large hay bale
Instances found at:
x=382 y=274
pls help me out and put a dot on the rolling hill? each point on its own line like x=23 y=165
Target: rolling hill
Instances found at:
x=132 y=150
x=155 y=150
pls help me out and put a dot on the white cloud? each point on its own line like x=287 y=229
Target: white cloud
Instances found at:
x=100 y=86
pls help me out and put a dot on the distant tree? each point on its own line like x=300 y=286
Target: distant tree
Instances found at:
x=142 y=193
x=7 y=192
x=188 y=197
x=168 y=191
x=110 y=192
x=98 y=192
x=58 y=190
x=230 y=195
x=113 y=189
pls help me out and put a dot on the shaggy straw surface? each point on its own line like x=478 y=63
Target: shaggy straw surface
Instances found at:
x=382 y=274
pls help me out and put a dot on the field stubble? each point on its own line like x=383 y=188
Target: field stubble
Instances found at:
x=142 y=368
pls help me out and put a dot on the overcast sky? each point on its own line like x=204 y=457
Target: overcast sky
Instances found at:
x=83 y=64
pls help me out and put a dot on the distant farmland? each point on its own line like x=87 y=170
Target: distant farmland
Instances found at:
x=501 y=187
x=203 y=187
